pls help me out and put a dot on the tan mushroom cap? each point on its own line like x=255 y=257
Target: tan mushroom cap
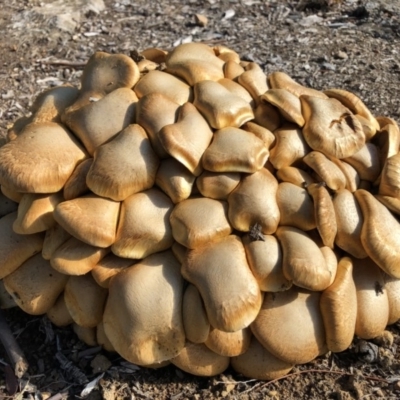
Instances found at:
x=267 y=116
x=90 y=218
x=165 y=84
x=295 y=175
x=354 y=104
x=229 y=343
x=265 y=260
x=35 y=212
x=254 y=80
x=280 y=80
x=326 y=169
x=380 y=233
x=303 y=262
x=262 y=133
x=188 y=138
x=153 y=112
x=217 y=185
x=237 y=90
x=74 y=257
x=287 y=103
x=259 y=363
x=391 y=203
x=198 y=359
x=175 y=180
x=53 y=239
x=232 y=70
x=35 y=285
x=47 y=153
x=392 y=287
x=324 y=213
x=296 y=207
x=390 y=177
x=76 y=184
x=105 y=73
x=85 y=300
x=180 y=252
x=195 y=320
x=154 y=54
x=108 y=267
x=388 y=141
x=125 y=165
x=368 y=127
x=102 y=338
x=11 y=194
x=223 y=277
x=331 y=128
x=366 y=162
x=235 y=150
x=145 y=325
x=196 y=222
x=15 y=249
x=331 y=259
x=219 y=106
x=372 y=299
x=349 y=219
x=93 y=123
x=86 y=335
x=290 y=146
x=290 y=326
x=147 y=66
x=339 y=308
x=144 y=226
x=194 y=62
x=254 y=202
x=59 y=314
x=351 y=175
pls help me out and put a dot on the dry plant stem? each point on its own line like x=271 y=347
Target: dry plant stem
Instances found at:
x=14 y=352
x=262 y=385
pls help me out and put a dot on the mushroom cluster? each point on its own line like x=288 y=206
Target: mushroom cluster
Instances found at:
x=186 y=208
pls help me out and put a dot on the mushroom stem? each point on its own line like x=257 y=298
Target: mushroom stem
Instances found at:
x=14 y=352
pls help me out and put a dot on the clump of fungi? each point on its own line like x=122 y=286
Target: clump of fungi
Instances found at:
x=188 y=209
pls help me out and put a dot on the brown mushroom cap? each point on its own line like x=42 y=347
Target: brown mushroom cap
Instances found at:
x=47 y=153
x=90 y=218
x=331 y=128
x=86 y=335
x=6 y=300
x=144 y=226
x=219 y=106
x=195 y=320
x=217 y=185
x=198 y=359
x=145 y=325
x=85 y=300
x=339 y=308
x=35 y=212
x=76 y=184
x=229 y=343
x=366 y=162
x=259 y=363
x=254 y=202
x=303 y=262
x=123 y=166
x=196 y=222
x=229 y=290
x=35 y=285
x=92 y=123
x=15 y=249
x=188 y=138
x=163 y=83
x=392 y=286
x=53 y=239
x=102 y=338
x=290 y=326
x=235 y=150
x=59 y=314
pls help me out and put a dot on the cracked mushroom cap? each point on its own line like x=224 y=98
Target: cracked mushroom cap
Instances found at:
x=145 y=325
x=331 y=128
x=35 y=285
x=15 y=249
x=125 y=165
x=234 y=305
x=47 y=154
x=290 y=326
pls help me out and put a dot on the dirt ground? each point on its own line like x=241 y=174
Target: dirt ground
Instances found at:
x=354 y=45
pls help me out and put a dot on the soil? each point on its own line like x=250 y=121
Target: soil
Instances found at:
x=352 y=45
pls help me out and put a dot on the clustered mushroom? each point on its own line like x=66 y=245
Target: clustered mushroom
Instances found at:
x=188 y=209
